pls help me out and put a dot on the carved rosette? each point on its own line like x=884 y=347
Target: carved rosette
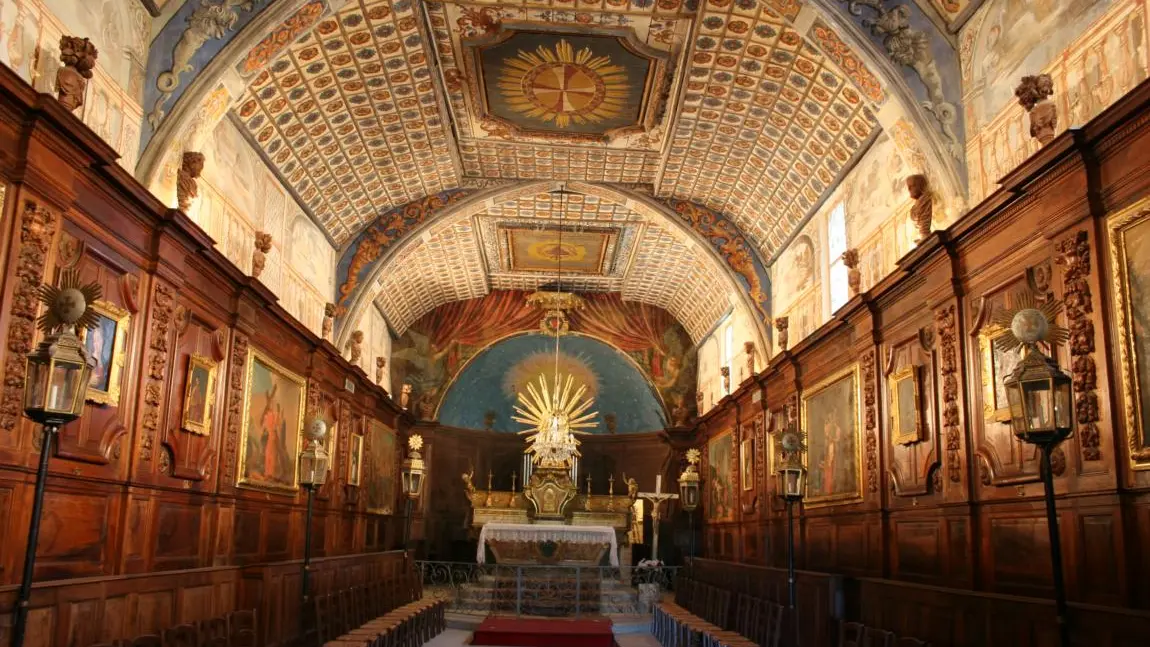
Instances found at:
x=37 y=228
x=870 y=419
x=163 y=313
x=1074 y=255
x=944 y=322
x=235 y=404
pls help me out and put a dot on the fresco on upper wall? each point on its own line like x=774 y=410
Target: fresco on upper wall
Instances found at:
x=430 y=354
x=1102 y=56
x=483 y=396
x=798 y=268
x=1016 y=38
x=874 y=191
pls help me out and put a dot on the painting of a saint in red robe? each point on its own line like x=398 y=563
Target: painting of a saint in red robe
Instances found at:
x=272 y=425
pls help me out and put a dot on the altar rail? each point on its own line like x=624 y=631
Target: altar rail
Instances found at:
x=545 y=590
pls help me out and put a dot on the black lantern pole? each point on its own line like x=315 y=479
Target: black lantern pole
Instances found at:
x=1041 y=407
x=413 y=470
x=689 y=496
x=792 y=484
x=56 y=382
x=313 y=467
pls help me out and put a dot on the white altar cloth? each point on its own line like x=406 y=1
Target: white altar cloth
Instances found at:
x=539 y=532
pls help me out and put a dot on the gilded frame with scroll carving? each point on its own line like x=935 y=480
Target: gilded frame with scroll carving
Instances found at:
x=107 y=342
x=199 y=393
x=905 y=405
x=1129 y=233
x=997 y=363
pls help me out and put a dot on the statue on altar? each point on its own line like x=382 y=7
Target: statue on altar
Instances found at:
x=550 y=521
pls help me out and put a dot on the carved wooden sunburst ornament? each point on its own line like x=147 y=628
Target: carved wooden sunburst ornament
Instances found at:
x=68 y=304
x=555 y=414
x=1029 y=323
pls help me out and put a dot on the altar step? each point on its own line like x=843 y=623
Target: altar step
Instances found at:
x=545 y=594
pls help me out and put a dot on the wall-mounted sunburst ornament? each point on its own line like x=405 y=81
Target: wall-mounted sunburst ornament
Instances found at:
x=68 y=304
x=792 y=443
x=555 y=414
x=562 y=85
x=1029 y=323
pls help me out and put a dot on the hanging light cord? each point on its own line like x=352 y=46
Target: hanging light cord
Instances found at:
x=559 y=286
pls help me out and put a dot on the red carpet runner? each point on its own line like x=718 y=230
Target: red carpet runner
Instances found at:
x=516 y=632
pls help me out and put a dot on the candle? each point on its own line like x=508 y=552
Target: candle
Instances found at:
x=54 y=397
x=658 y=484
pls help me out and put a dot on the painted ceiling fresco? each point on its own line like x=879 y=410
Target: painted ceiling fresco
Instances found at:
x=740 y=116
x=464 y=257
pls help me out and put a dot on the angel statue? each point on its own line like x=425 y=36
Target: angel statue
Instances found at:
x=467 y=484
x=632 y=487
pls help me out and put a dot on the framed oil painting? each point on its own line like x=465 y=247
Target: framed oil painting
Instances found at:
x=382 y=468
x=996 y=365
x=1130 y=255
x=831 y=417
x=747 y=463
x=720 y=485
x=355 y=460
x=107 y=342
x=199 y=392
x=905 y=405
x=272 y=426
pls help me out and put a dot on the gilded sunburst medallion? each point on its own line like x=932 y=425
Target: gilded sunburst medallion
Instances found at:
x=561 y=85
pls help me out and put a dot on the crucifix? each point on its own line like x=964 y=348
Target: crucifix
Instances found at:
x=656 y=498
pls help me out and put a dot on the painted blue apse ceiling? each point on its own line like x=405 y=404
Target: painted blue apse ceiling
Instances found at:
x=488 y=384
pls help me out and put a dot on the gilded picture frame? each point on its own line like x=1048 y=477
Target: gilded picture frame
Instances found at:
x=1129 y=242
x=996 y=365
x=822 y=403
x=382 y=463
x=905 y=405
x=199 y=395
x=284 y=477
x=108 y=344
x=355 y=460
x=747 y=463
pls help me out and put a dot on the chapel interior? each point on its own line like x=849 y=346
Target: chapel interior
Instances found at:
x=384 y=323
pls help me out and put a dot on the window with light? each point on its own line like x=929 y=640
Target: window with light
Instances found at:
x=836 y=245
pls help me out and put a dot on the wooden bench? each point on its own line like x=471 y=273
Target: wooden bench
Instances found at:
x=674 y=626
x=409 y=625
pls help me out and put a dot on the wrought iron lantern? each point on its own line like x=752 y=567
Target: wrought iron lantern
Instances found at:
x=58 y=370
x=1038 y=392
x=792 y=475
x=413 y=468
x=314 y=459
x=689 y=482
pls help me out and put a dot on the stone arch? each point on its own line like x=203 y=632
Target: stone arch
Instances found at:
x=691 y=228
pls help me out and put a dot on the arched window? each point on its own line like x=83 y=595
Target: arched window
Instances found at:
x=836 y=245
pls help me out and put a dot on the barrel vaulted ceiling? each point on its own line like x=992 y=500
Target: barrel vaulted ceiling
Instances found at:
x=754 y=109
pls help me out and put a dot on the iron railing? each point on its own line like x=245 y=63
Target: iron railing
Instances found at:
x=545 y=590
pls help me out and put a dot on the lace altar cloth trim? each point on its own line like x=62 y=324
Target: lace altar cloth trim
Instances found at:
x=530 y=532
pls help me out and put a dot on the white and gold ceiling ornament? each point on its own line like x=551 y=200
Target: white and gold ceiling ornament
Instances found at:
x=555 y=414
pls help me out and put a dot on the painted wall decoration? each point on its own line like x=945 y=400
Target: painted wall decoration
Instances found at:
x=493 y=377
x=370 y=246
x=535 y=249
x=430 y=354
x=831 y=417
x=1101 y=54
x=382 y=459
x=192 y=37
x=720 y=484
x=1130 y=256
x=733 y=247
x=272 y=425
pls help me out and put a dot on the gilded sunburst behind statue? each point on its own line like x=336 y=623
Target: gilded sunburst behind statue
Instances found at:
x=562 y=86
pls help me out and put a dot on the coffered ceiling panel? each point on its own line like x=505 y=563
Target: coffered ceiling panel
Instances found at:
x=349 y=118
x=767 y=124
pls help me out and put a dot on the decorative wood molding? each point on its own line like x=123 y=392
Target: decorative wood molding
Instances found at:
x=162 y=316
x=1074 y=255
x=944 y=321
x=236 y=375
x=870 y=419
x=38 y=226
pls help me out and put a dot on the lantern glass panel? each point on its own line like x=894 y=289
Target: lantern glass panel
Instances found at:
x=36 y=386
x=66 y=387
x=1038 y=400
x=1063 y=404
x=1017 y=411
x=793 y=482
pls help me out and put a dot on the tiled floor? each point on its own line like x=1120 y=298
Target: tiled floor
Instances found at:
x=459 y=638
